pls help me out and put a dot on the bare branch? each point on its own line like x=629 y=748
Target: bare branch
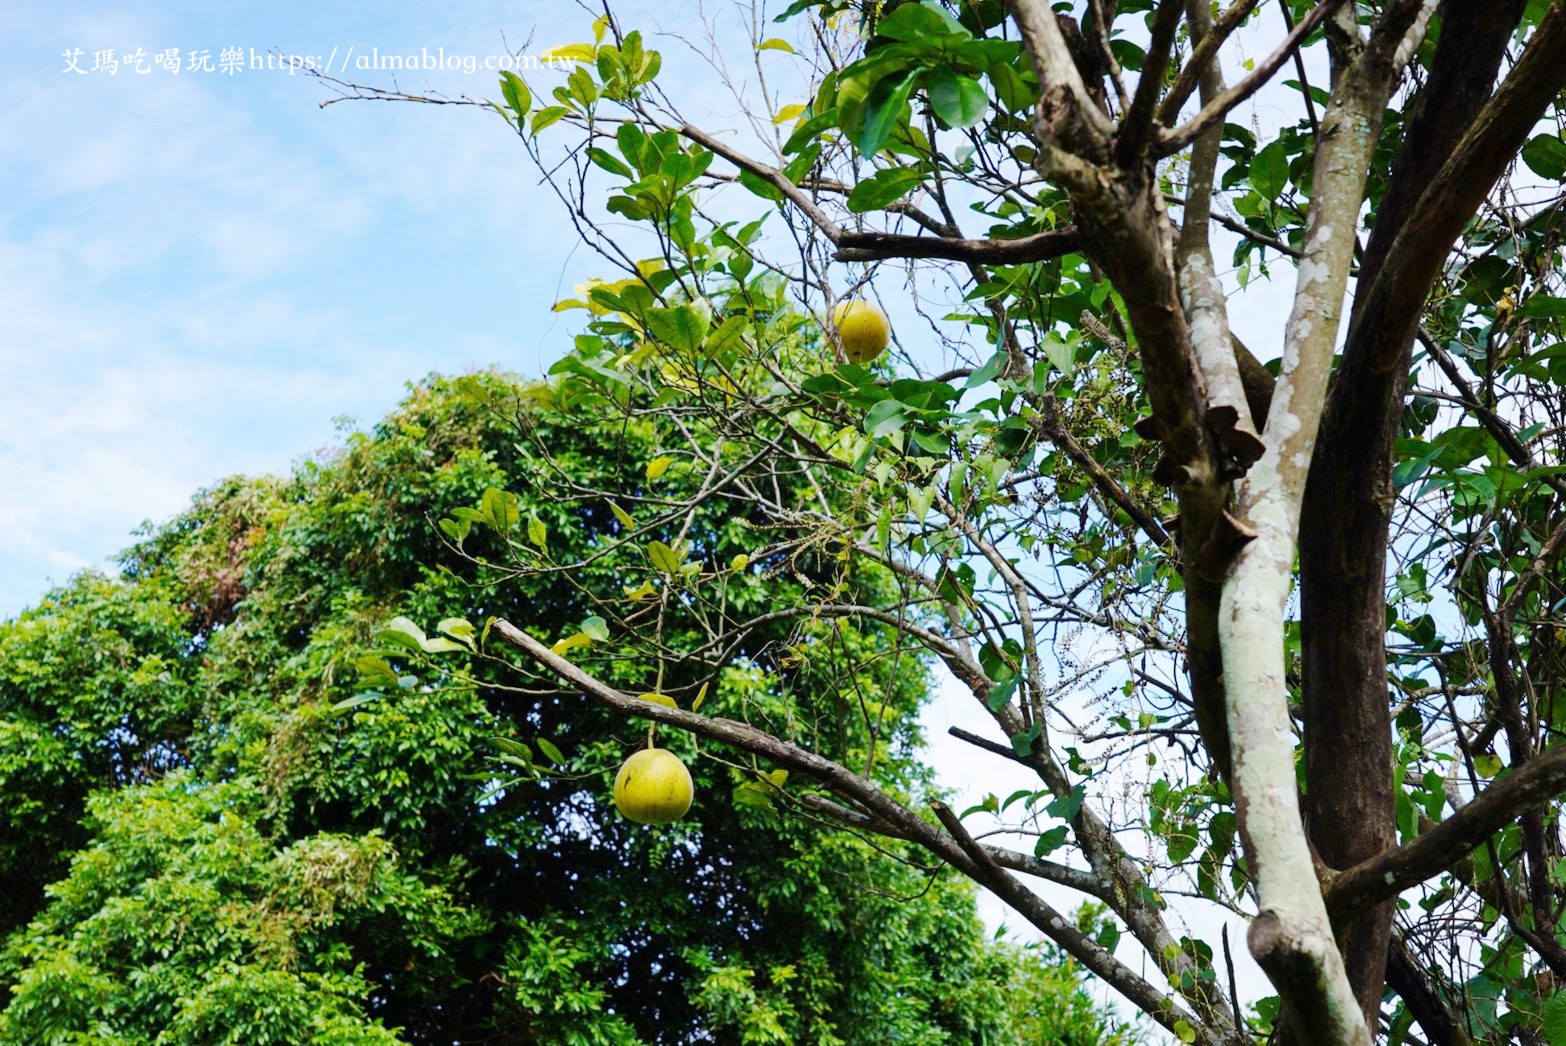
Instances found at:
x=1203 y=57
x=874 y=246
x=1219 y=107
x=881 y=808
x=1136 y=127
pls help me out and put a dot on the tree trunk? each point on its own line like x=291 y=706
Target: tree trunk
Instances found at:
x=1348 y=504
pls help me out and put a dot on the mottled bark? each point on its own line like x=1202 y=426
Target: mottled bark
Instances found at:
x=1292 y=936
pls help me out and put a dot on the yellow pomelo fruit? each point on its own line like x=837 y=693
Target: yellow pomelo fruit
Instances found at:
x=862 y=328
x=653 y=787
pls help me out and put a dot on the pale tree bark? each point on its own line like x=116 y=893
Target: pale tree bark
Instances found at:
x=1292 y=936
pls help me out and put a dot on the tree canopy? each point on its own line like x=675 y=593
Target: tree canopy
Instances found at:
x=1094 y=503
x=214 y=833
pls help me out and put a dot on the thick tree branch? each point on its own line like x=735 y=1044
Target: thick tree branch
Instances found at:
x=1068 y=117
x=1201 y=292
x=1136 y=127
x=1440 y=1023
x=1349 y=500
x=1385 y=876
x=1292 y=937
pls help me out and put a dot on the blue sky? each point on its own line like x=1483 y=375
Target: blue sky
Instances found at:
x=200 y=271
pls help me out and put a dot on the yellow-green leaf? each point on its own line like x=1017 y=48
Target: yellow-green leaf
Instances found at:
x=568 y=53
x=517 y=95
x=537 y=533
x=775 y=44
x=623 y=516
x=788 y=112
x=570 y=643
x=701 y=695
x=643 y=591
x=658 y=466
x=659 y=699
x=664 y=558
x=739 y=562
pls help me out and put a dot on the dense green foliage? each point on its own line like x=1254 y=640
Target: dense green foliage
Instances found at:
x=209 y=834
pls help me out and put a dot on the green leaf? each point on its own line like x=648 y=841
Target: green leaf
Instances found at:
x=459 y=628
x=1023 y=743
x=374 y=671
x=1270 y=171
x=925 y=24
x=456 y=529
x=551 y=753
x=571 y=642
x=1063 y=356
x=355 y=701
x=1555 y=1020
x=548 y=117
x=1545 y=156
x=883 y=187
x=1001 y=693
x=682 y=328
x=885 y=417
x=537 y=533
x=1184 y=1032
x=1067 y=806
x=623 y=516
x=883 y=109
x=596 y=628
x=663 y=558
x=1050 y=841
x=499 y=509
x=516 y=93
x=1542 y=306
x=609 y=163
x=399 y=631
x=658 y=699
x=513 y=748
x=958 y=100
x=732 y=332
x=760 y=186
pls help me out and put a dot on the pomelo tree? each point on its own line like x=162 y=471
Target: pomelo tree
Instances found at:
x=1282 y=637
